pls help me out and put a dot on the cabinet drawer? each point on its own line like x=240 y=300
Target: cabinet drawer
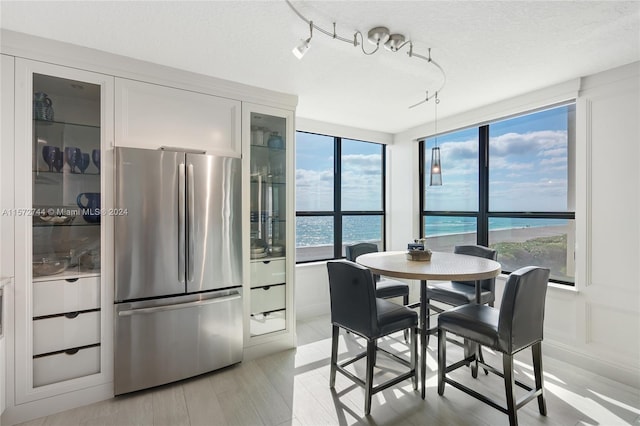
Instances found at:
x=267 y=323
x=64 y=366
x=60 y=296
x=59 y=333
x=266 y=299
x=267 y=272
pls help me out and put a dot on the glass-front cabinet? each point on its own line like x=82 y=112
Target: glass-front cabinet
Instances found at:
x=66 y=178
x=61 y=215
x=271 y=257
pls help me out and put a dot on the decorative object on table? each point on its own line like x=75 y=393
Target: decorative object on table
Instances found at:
x=275 y=141
x=58 y=163
x=90 y=210
x=95 y=156
x=418 y=251
x=71 y=154
x=42 y=107
x=83 y=162
x=49 y=153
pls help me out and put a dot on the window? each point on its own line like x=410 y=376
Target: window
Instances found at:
x=507 y=185
x=339 y=195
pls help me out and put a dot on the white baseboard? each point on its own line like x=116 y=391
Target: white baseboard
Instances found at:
x=44 y=407
x=626 y=374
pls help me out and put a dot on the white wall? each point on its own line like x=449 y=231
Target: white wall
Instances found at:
x=597 y=324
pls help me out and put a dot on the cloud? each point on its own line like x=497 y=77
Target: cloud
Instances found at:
x=520 y=144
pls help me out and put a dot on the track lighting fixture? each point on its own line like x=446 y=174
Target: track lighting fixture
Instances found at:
x=377 y=36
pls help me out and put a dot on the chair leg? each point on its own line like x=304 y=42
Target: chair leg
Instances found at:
x=509 y=382
x=536 y=350
x=481 y=357
x=424 y=337
x=405 y=302
x=427 y=321
x=335 y=334
x=371 y=350
x=414 y=356
x=442 y=359
x=469 y=349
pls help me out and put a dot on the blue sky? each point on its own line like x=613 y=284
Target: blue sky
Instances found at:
x=361 y=174
x=527 y=170
x=527 y=165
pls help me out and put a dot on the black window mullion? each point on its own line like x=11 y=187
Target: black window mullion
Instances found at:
x=337 y=199
x=421 y=174
x=483 y=181
x=384 y=197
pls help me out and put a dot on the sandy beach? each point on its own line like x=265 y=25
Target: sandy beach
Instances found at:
x=448 y=242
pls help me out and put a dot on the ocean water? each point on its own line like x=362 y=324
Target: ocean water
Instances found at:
x=317 y=231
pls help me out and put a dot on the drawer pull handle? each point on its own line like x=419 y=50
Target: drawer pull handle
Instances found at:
x=71 y=351
x=71 y=315
x=266 y=262
x=266 y=287
x=71 y=280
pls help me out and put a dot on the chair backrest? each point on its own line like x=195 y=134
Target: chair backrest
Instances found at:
x=355 y=250
x=353 y=300
x=522 y=308
x=479 y=251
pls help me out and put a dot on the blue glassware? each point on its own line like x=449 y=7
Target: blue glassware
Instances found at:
x=58 y=162
x=71 y=154
x=49 y=153
x=83 y=162
x=95 y=155
x=90 y=209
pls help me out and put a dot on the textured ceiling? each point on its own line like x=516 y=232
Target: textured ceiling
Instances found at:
x=490 y=50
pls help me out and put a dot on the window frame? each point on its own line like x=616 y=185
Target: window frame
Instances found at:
x=483 y=214
x=337 y=213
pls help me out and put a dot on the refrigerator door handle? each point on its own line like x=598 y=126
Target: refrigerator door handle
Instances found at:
x=181 y=223
x=155 y=309
x=190 y=222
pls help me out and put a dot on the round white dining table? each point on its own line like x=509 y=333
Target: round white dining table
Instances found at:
x=442 y=267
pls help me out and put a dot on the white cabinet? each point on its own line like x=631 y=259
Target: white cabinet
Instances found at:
x=268 y=143
x=63 y=154
x=152 y=116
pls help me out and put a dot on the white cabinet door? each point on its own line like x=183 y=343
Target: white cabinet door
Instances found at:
x=152 y=116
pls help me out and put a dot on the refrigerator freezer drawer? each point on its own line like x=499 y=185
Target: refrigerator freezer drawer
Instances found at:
x=59 y=333
x=65 y=366
x=268 y=298
x=165 y=340
x=267 y=272
x=60 y=296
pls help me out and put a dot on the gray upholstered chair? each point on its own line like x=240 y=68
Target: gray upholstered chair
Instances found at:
x=385 y=288
x=517 y=325
x=456 y=293
x=355 y=307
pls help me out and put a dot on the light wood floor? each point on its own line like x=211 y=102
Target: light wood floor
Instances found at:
x=292 y=388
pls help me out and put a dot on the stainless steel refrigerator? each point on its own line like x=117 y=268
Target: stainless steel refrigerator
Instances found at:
x=178 y=266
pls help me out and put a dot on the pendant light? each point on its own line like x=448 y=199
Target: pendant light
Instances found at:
x=436 y=169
